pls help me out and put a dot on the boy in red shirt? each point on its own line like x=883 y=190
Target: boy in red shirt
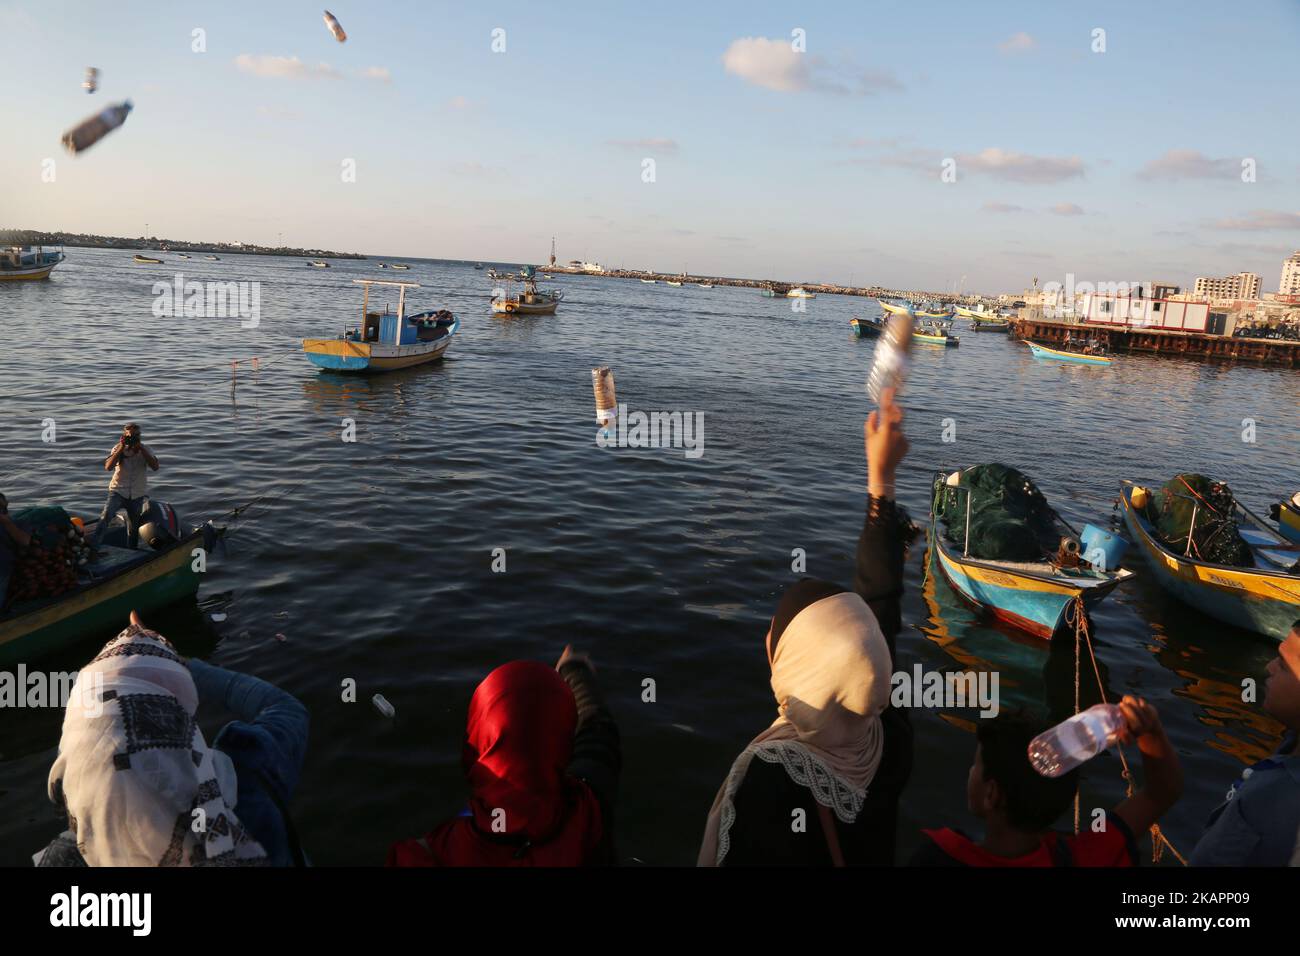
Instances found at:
x=1019 y=806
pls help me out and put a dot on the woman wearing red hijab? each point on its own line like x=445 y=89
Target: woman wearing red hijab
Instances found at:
x=542 y=760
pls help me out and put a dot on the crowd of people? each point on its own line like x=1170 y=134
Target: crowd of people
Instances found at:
x=819 y=786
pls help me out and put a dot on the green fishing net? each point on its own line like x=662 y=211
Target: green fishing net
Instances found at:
x=1010 y=520
x=1215 y=537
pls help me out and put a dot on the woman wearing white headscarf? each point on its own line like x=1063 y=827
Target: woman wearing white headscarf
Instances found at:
x=141 y=786
x=820 y=786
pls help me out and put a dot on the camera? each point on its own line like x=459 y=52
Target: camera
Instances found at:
x=130 y=441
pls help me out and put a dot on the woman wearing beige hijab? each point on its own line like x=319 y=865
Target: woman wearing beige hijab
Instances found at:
x=820 y=785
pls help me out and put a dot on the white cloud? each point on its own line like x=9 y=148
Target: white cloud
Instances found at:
x=379 y=73
x=774 y=65
x=1067 y=209
x=1001 y=207
x=283 y=67
x=1262 y=219
x=1017 y=43
x=1021 y=167
x=1189 y=164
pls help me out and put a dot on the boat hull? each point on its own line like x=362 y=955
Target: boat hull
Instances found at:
x=167 y=578
x=865 y=330
x=1249 y=598
x=945 y=340
x=18 y=275
x=1078 y=358
x=893 y=309
x=342 y=355
x=510 y=307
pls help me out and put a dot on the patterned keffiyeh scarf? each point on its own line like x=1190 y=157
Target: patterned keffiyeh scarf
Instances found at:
x=139 y=783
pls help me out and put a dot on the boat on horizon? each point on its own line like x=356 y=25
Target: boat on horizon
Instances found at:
x=399 y=265
x=181 y=255
x=212 y=258
x=1033 y=596
x=28 y=262
x=1264 y=598
x=319 y=264
x=703 y=285
x=649 y=281
x=677 y=285
x=146 y=260
x=385 y=341
x=1079 y=358
x=799 y=292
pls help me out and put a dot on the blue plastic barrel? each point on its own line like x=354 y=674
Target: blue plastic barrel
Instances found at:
x=1111 y=546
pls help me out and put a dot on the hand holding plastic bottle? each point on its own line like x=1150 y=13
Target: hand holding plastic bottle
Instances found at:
x=886 y=445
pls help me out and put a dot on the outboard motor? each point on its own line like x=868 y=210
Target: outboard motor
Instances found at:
x=159 y=525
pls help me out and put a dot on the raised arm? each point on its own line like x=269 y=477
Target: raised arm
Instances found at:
x=114 y=457
x=149 y=459
x=879 y=575
x=597 y=749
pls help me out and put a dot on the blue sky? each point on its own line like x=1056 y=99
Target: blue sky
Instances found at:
x=823 y=164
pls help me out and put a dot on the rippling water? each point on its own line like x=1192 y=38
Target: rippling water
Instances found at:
x=374 y=558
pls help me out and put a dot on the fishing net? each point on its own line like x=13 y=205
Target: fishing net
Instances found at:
x=1010 y=520
x=1215 y=537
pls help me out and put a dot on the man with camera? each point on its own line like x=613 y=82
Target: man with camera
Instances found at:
x=128 y=461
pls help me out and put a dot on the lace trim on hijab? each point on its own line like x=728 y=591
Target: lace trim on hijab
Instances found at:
x=804 y=769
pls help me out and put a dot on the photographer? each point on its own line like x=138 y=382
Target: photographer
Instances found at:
x=126 y=491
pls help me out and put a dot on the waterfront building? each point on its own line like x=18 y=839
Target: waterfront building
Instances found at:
x=1290 y=283
x=1244 y=285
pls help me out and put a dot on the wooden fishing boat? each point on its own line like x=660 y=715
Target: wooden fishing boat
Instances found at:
x=703 y=285
x=866 y=328
x=893 y=309
x=28 y=262
x=385 y=341
x=212 y=258
x=799 y=292
x=146 y=260
x=1288 y=518
x=676 y=285
x=319 y=264
x=1082 y=358
x=399 y=265
x=934 y=334
x=1264 y=598
x=769 y=293
x=1030 y=595
x=934 y=316
x=649 y=281
x=118 y=581
x=990 y=325
x=181 y=255
x=531 y=301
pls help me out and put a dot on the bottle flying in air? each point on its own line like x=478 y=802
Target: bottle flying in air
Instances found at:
x=94 y=128
x=91 y=82
x=889 y=370
x=334 y=27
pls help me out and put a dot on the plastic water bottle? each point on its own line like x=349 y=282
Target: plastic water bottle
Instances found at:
x=383 y=706
x=94 y=128
x=892 y=356
x=91 y=82
x=1072 y=742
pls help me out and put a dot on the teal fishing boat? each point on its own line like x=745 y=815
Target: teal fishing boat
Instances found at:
x=118 y=581
x=866 y=328
x=1078 y=358
x=1031 y=595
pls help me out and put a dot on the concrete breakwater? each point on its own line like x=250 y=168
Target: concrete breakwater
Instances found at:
x=780 y=287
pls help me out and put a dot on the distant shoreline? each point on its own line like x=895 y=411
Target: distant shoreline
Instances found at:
x=31 y=237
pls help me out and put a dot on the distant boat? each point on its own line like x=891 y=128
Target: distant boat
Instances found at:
x=769 y=292
x=183 y=255
x=478 y=265
x=649 y=281
x=385 y=341
x=895 y=309
x=382 y=266
x=146 y=260
x=531 y=301
x=212 y=258
x=319 y=264
x=799 y=292
x=398 y=265
x=674 y=284
x=28 y=262
x=1080 y=358
x=935 y=334
x=866 y=328
x=703 y=285
x=548 y=277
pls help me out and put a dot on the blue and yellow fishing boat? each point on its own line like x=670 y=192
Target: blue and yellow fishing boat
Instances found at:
x=932 y=333
x=385 y=341
x=28 y=262
x=1264 y=598
x=1081 y=358
x=118 y=581
x=1033 y=596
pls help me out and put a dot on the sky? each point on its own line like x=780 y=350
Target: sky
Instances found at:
x=800 y=141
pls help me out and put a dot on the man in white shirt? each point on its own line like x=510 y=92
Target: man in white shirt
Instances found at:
x=127 y=461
